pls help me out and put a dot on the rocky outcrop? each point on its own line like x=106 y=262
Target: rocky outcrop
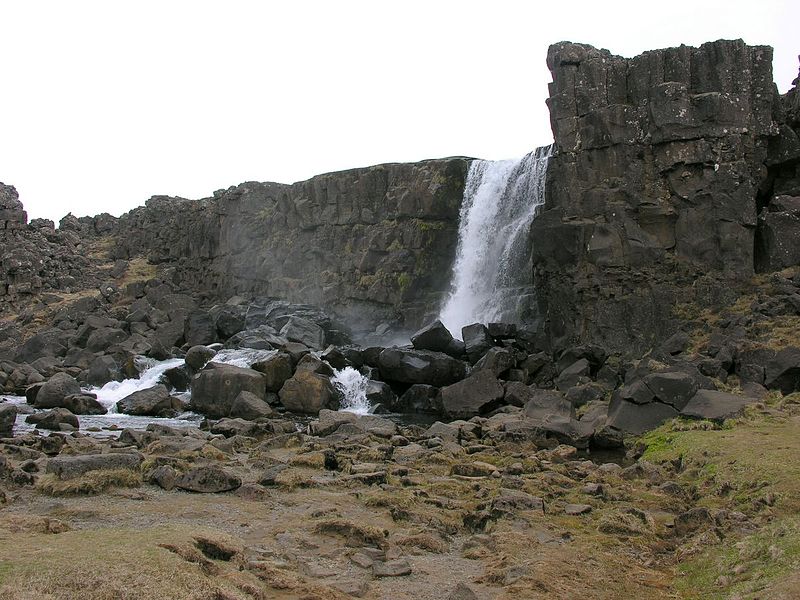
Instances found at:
x=652 y=192
x=369 y=244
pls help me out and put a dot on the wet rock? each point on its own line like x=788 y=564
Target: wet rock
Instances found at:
x=102 y=370
x=316 y=365
x=575 y=374
x=55 y=389
x=215 y=389
x=380 y=393
x=177 y=378
x=154 y=401
x=248 y=406
x=420 y=366
x=83 y=404
x=478 y=394
x=437 y=337
x=716 y=406
x=419 y=398
x=56 y=419
x=477 y=341
x=198 y=356
x=308 y=333
x=68 y=467
x=207 y=480
x=307 y=393
x=496 y=360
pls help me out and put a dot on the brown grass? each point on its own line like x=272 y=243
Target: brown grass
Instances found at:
x=89 y=484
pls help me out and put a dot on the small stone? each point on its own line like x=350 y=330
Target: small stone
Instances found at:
x=577 y=509
x=391 y=568
x=362 y=560
x=462 y=592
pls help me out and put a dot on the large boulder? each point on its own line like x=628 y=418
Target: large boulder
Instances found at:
x=636 y=419
x=783 y=371
x=715 y=405
x=419 y=398
x=477 y=341
x=250 y=407
x=478 y=394
x=214 y=389
x=68 y=467
x=497 y=360
x=55 y=389
x=276 y=369
x=307 y=393
x=151 y=402
x=56 y=419
x=83 y=404
x=102 y=370
x=420 y=366
x=207 y=480
x=198 y=357
x=437 y=337
x=298 y=329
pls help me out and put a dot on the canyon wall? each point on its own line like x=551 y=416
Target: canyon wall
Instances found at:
x=372 y=245
x=668 y=186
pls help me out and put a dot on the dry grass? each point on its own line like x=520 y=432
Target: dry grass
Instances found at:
x=89 y=484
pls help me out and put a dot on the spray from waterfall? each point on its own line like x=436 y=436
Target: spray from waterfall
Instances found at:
x=493 y=254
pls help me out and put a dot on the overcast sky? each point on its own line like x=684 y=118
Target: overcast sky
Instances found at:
x=106 y=103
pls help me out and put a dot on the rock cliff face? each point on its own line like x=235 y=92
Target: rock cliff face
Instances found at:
x=663 y=164
x=371 y=244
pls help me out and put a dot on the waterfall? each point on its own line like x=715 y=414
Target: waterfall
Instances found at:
x=353 y=387
x=493 y=255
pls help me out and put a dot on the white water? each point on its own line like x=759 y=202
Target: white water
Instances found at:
x=242 y=357
x=113 y=391
x=353 y=387
x=500 y=201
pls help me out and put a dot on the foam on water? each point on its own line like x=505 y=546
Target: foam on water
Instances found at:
x=353 y=387
x=151 y=372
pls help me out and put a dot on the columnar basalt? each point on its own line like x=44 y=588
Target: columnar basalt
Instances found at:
x=654 y=191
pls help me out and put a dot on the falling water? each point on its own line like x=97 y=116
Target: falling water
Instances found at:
x=353 y=387
x=500 y=201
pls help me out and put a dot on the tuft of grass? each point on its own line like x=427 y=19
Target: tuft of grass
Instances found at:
x=89 y=484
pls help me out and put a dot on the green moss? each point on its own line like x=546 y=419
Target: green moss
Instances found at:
x=403 y=281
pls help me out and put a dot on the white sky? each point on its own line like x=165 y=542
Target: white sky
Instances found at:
x=106 y=103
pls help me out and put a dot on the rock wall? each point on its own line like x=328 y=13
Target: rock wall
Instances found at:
x=372 y=245
x=654 y=192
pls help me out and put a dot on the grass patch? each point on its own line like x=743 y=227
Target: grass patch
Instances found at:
x=89 y=484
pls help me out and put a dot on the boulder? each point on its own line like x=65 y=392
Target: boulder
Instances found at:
x=276 y=369
x=497 y=360
x=102 y=370
x=53 y=420
x=783 y=371
x=381 y=393
x=231 y=427
x=478 y=394
x=229 y=320
x=575 y=374
x=250 y=407
x=316 y=365
x=636 y=419
x=477 y=341
x=298 y=329
x=152 y=402
x=103 y=338
x=214 y=389
x=673 y=387
x=177 y=378
x=715 y=405
x=198 y=356
x=199 y=329
x=502 y=331
x=83 y=404
x=541 y=404
x=437 y=337
x=420 y=366
x=68 y=467
x=8 y=416
x=419 y=398
x=207 y=480
x=307 y=393
x=53 y=392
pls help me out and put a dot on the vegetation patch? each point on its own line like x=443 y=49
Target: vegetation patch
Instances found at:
x=89 y=484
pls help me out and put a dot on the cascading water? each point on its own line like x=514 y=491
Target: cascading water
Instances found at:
x=493 y=254
x=353 y=387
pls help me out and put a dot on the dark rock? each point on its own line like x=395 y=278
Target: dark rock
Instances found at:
x=594 y=355
x=164 y=476
x=8 y=416
x=53 y=392
x=207 y=480
x=419 y=398
x=102 y=370
x=231 y=427
x=248 y=406
x=420 y=366
x=783 y=371
x=542 y=404
x=198 y=356
x=307 y=393
x=269 y=476
x=334 y=357
x=308 y=333
x=477 y=341
x=311 y=363
x=154 y=401
x=215 y=389
x=673 y=388
x=276 y=369
x=437 y=337
x=716 y=406
x=575 y=374
x=677 y=343
x=478 y=394
x=496 y=360
x=69 y=467
x=103 y=338
x=636 y=419
x=200 y=329
x=379 y=392
x=502 y=331
x=83 y=404
x=177 y=378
